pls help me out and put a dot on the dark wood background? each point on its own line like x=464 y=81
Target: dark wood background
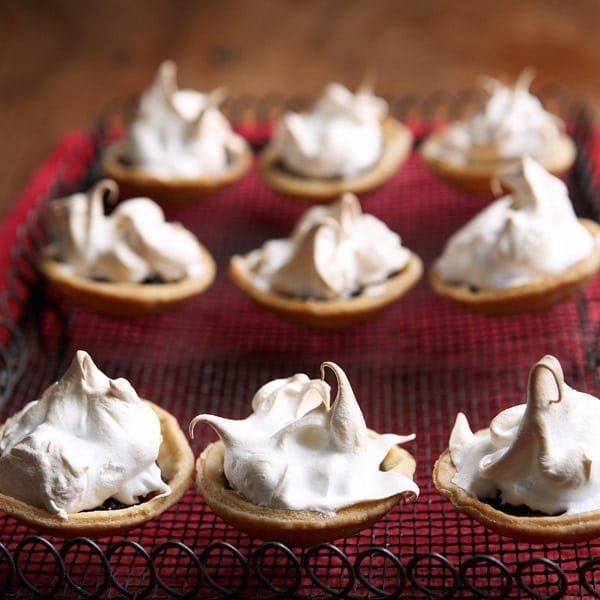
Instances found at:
x=63 y=61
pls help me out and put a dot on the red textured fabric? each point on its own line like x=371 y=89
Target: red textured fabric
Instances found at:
x=412 y=369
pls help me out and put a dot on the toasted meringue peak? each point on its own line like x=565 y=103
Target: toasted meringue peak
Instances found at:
x=181 y=133
x=334 y=251
x=340 y=137
x=511 y=124
x=295 y=451
x=526 y=235
x=132 y=244
x=87 y=439
x=542 y=454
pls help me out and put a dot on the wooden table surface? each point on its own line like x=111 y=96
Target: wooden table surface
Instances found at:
x=63 y=61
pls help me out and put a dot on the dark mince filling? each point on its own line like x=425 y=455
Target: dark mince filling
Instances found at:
x=153 y=280
x=281 y=167
x=352 y=295
x=515 y=511
x=126 y=162
x=110 y=504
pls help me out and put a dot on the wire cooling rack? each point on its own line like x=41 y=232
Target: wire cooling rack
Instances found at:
x=412 y=369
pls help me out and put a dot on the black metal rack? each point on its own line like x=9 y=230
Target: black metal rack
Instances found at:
x=412 y=369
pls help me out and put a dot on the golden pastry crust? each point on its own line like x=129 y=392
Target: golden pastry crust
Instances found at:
x=176 y=462
x=124 y=299
x=538 y=295
x=477 y=177
x=397 y=145
x=293 y=527
x=134 y=181
x=328 y=314
x=534 y=529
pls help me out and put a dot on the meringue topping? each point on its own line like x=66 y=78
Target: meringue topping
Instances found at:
x=334 y=251
x=180 y=133
x=340 y=137
x=296 y=451
x=132 y=244
x=531 y=233
x=511 y=124
x=543 y=454
x=87 y=439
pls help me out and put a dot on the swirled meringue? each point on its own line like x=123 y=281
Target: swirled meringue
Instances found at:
x=543 y=454
x=334 y=251
x=511 y=124
x=297 y=452
x=340 y=137
x=87 y=439
x=180 y=133
x=133 y=243
x=526 y=235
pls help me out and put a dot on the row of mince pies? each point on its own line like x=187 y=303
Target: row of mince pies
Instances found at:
x=179 y=145
x=525 y=252
x=91 y=458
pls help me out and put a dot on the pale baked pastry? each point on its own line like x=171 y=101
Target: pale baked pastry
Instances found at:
x=479 y=177
x=345 y=144
x=339 y=267
x=123 y=299
x=329 y=314
x=127 y=264
x=533 y=474
x=153 y=464
x=136 y=182
x=179 y=145
x=293 y=527
x=513 y=123
x=525 y=252
x=299 y=471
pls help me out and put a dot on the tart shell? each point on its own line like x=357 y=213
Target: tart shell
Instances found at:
x=535 y=296
x=477 y=177
x=134 y=181
x=397 y=145
x=535 y=530
x=328 y=314
x=125 y=299
x=176 y=462
x=293 y=527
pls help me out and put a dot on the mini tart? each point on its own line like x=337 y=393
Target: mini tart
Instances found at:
x=176 y=462
x=397 y=145
x=134 y=181
x=538 y=295
x=478 y=177
x=532 y=529
x=293 y=527
x=328 y=314
x=124 y=299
